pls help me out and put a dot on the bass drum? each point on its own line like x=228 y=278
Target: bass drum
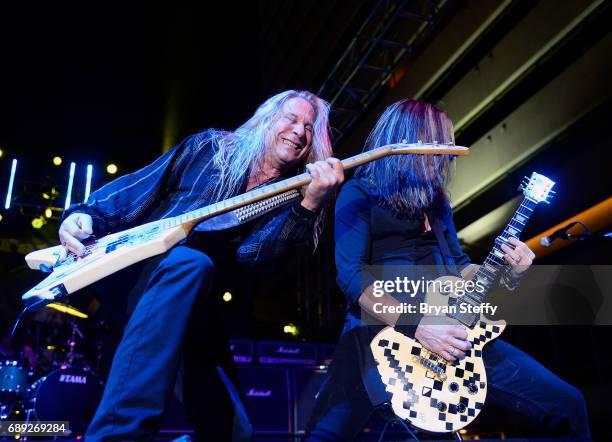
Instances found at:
x=66 y=394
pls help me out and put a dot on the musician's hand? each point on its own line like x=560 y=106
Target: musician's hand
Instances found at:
x=77 y=226
x=447 y=340
x=519 y=258
x=327 y=176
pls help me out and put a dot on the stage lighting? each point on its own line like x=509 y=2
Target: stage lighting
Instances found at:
x=9 y=193
x=88 y=182
x=48 y=212
x=1 y=153
x=57 y=161
x=37 y=223
x=227 y=296
x=291 y=329
x=70 y=183
x=112 y=169
x=0 y=217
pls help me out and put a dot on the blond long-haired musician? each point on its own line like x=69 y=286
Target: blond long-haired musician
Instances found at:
x=288 y=134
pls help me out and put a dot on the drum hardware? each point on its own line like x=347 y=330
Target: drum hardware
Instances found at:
x=14 y=388
x=64 y=388
x=13 y=379
x=71 y=355
x=80 y=391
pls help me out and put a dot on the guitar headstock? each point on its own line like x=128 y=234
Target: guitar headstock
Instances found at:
x=427 y=148
x=537 y=188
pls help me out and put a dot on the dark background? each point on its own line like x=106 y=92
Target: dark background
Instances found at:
x=102 y=85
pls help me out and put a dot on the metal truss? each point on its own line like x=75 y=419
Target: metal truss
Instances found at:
x=392 y=32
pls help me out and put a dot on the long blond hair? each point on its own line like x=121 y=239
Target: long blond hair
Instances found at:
x=242 y=151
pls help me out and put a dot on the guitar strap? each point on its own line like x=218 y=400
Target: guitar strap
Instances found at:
x=447 y=257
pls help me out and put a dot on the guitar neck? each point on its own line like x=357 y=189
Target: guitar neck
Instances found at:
x=489 y=271
x=190 y=219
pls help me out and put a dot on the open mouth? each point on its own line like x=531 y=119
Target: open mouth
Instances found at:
x=291 y=143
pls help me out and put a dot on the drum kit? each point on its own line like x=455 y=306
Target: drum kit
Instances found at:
x=59 y=386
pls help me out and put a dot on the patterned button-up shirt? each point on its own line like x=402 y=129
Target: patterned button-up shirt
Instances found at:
x=182 y=180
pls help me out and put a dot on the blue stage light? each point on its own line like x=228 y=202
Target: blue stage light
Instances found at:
x=88 y=182
x=9 y=193
x=70 y=182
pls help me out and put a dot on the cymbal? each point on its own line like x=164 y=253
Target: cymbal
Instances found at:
x=68 y=309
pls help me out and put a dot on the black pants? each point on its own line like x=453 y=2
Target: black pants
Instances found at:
x=170 y=331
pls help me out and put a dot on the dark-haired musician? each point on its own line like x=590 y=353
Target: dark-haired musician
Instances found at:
x=388 y=215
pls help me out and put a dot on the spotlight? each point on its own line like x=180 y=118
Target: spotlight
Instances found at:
x=48 y=212
x=227 y=296
x=0 y=217
x=57 y=161
x=291 y=329
x=112 y=169
x=1 y=153
x=37 y=223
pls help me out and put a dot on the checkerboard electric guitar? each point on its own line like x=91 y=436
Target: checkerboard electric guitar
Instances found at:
x=429 y=392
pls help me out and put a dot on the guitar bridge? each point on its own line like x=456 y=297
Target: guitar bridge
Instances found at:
x=431 y=366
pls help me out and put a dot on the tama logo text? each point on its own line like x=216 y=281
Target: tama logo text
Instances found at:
x=72 y=379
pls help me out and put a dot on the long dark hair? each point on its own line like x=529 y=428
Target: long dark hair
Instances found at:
x=409 y=184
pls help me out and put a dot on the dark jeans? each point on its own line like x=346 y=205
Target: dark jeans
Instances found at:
x=516 y=383
x=167 y=331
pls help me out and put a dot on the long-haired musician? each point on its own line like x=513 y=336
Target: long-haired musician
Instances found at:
x=288 y=134
x=395 y=212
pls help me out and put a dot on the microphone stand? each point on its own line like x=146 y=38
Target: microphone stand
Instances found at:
x=592 y=236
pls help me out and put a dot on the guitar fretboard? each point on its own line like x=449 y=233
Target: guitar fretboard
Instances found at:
x=266 y=191
x=303 y=179
x=489 y=272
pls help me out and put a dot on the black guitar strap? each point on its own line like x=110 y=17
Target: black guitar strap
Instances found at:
x=447 y=257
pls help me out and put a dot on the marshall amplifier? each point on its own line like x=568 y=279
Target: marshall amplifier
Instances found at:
x=294 y=353
x=326 y=352
x=242 y=350
x=306 y=383
x=267 y=398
